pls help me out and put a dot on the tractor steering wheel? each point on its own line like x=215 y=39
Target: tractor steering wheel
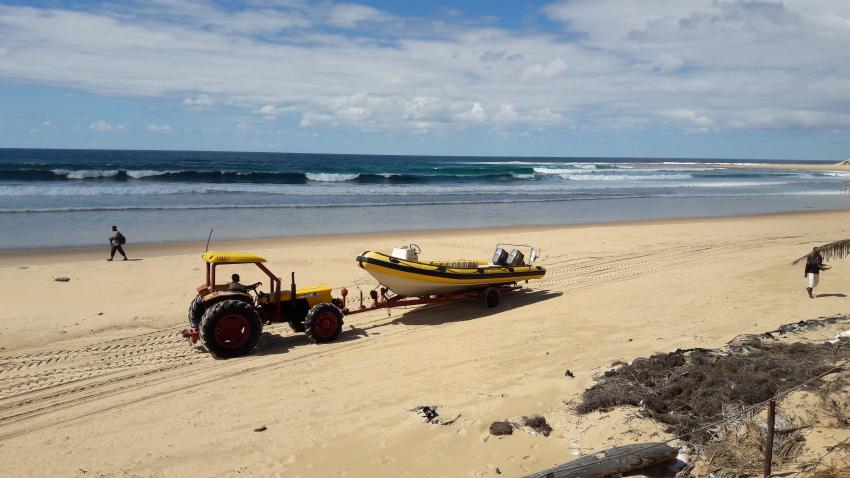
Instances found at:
x=415 y=248
x=253 y=288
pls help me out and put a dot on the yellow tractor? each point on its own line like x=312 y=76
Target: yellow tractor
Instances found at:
x=229 y=317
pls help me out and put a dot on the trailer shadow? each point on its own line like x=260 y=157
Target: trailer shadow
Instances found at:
x=471 y=309
x=273 y=342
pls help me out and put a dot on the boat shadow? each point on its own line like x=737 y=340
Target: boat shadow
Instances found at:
x=471 y=309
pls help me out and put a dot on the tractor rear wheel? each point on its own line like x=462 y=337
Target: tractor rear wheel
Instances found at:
x=231 y=328
x=323 y=323
x=196 y=311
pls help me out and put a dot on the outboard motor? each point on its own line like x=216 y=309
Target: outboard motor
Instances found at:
x=500 y=257
x=516 y=258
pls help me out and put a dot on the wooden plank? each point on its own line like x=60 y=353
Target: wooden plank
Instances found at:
x=620 y=459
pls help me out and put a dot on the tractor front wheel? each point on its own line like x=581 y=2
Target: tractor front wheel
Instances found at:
x=231 y=328
x=323 y=323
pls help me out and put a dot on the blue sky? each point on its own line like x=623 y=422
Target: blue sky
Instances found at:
x=692 y=78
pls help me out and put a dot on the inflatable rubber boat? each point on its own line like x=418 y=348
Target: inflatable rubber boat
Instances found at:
x=404 y=274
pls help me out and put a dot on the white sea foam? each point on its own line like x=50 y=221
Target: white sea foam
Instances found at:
x=146 y=173
x=331 y=177
x=85 y=173
x=560 y=171
x=626 y=177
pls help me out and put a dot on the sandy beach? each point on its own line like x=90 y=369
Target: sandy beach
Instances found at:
x=95 y=379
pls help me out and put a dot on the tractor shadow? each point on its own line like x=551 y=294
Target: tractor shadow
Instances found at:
x=273 y=343
x=471 y=309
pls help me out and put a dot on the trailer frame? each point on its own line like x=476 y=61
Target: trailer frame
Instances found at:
x=490 y=294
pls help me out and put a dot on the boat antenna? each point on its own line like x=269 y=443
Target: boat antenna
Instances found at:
x=208 y=240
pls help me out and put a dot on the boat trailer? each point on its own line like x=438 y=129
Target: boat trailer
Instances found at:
x=379 y=300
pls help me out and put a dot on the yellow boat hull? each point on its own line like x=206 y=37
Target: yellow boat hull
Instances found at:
x=415 y=279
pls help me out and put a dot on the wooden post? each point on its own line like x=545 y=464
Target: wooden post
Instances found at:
x=768 y=448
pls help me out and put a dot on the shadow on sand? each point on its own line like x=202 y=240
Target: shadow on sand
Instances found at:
x=472 y=308
x=272 y=343
x=830 y=295
x=469 y=309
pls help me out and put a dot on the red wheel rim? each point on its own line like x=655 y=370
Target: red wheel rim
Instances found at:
x=232 y=331
x=325 y=325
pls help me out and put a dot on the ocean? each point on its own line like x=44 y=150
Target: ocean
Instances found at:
x=61 y=198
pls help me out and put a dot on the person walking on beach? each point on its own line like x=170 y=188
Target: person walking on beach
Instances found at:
x=814 y=264
x=117 y=240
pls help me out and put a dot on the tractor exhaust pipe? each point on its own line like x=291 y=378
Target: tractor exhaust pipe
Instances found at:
x=292 y=296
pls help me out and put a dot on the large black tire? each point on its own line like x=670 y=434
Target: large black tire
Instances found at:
x=196 y=311
x=323 y=323
x=231 y=328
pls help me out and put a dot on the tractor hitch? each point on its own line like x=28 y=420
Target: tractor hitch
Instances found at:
x=192 y=334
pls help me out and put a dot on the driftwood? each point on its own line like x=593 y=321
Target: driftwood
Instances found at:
x=620 y=459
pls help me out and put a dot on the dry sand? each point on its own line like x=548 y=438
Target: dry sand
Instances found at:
x=95 y=380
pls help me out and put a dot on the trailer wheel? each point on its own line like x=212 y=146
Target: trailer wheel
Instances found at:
x=196 y=311
x=491 y=297
x=231 y=328
x=323 y=323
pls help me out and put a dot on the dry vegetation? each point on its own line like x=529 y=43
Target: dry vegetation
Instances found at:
x=689 y=389
x=705 y=398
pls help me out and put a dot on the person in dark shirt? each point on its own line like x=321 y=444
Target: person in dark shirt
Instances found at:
x=117 y=240
x=814 y=264
x=235 y=285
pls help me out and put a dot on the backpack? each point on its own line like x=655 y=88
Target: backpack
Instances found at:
x=120 y=239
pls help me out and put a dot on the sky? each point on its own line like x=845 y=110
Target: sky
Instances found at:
x=648 y=78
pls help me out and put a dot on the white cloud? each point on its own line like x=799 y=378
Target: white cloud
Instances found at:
x=545 y=71
x=102 y=125
x=309 y=120
x=507 y=114
x=777 y=119
x=689 y=117
x=546 y=116
x=350 y=15
x=199 y=102
x=158 y=128
x=476 y=113
x=46 y=123
x=718 y=64
x=271 y=112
